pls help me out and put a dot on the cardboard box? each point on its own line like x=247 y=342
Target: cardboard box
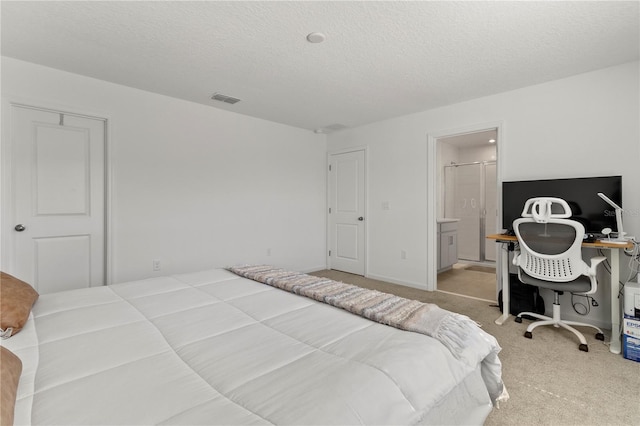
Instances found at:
x=631 y=326
x=631 y=338
x=631 y=348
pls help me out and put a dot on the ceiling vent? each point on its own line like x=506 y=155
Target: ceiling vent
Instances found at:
x=224 y=98
x=335 y=127
x=330 y=128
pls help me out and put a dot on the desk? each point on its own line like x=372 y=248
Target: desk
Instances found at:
x=614 y=249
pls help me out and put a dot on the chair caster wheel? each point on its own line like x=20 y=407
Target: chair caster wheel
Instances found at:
x=518 y=319
x=583 y=347
x=600 y=336
x=528 y=335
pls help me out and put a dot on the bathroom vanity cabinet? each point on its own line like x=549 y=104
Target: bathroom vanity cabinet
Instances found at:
x=447 y=243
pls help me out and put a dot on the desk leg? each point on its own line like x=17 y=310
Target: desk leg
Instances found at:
x=615 y=345
x=504 y=260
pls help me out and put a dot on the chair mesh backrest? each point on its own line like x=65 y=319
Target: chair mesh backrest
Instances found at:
x=550 y=251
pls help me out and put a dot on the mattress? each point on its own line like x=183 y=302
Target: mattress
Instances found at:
x=214 y=348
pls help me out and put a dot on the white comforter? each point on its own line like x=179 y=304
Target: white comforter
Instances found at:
x=215 y=348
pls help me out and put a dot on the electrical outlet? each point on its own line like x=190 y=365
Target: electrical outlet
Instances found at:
x=268 y=252
x=403 y=254
x=156 y=264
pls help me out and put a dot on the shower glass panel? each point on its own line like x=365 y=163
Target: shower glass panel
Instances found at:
x=462 y=184
x=470 y=195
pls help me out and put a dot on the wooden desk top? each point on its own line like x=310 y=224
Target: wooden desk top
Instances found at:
x=596 y=244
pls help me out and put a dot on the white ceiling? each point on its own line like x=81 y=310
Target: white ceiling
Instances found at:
x=379 y=60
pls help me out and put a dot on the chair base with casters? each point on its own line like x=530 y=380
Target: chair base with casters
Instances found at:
x=557 y=322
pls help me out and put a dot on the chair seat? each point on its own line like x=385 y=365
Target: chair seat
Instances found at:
x=581 y=284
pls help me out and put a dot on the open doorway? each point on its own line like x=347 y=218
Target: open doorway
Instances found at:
x=467 y=211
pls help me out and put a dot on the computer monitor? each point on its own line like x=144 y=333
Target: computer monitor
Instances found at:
x=581 y=194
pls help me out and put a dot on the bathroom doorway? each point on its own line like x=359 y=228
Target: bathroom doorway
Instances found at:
x=467 y=196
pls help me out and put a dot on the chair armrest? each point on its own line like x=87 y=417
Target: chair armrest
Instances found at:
x=516 y=258
x=595 y=261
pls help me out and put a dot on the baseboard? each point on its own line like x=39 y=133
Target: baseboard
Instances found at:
x=316 y=269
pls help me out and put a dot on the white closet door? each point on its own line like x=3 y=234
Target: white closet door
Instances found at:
x=346 y=207
x=58 y=198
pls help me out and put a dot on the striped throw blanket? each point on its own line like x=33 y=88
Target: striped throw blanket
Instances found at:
x=452 y=329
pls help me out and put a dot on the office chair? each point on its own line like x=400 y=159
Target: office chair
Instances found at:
x=550 y=256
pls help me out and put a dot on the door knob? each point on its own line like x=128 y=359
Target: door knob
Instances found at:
x=19 y=227
x=361 y=218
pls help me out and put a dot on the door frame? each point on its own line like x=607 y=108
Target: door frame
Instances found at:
x=365 y=207
x=7 y=212
x=432 y=190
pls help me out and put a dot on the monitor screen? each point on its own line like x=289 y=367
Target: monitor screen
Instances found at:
x=580 y=193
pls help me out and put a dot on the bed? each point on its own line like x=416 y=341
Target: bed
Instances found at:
x=252 y=346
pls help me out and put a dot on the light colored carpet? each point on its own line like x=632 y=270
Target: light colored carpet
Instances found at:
x=469 y=280
x=550 y=381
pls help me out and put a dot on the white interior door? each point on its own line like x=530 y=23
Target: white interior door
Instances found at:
x=346 y=212
x=491 y=210
x=58 y=199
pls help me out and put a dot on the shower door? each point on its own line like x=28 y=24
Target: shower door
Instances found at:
x=469 y=190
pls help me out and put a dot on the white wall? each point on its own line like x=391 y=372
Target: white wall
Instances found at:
x=477 y=153
x=193 y=186
x=586 y=125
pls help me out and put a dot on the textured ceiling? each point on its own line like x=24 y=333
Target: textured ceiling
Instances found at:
x=379 y=60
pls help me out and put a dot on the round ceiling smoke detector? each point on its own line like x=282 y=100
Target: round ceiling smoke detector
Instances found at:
x=316 y=37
